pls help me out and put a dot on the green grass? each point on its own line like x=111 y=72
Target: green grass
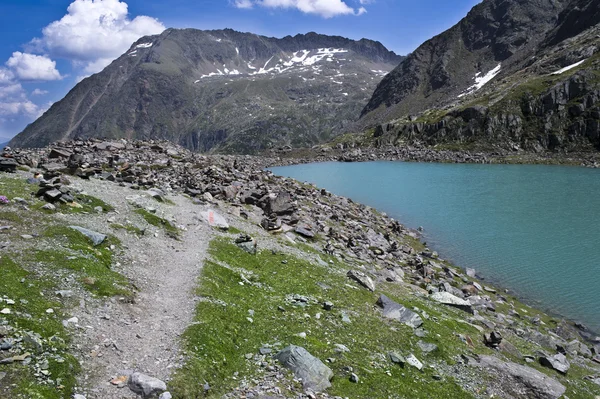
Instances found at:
x=158 y=222
x=33 y=296
x=222 y=335
x=17 y=187
x=91 y=263
x=88 y=204
x=129 y=228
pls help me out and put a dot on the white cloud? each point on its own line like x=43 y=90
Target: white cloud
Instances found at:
x=6 y=76
x=13 y=98
x=324 y=8
x=32 y=67
x=243 y=3
x=94 y=32
x=39 y=92
x=19 y=107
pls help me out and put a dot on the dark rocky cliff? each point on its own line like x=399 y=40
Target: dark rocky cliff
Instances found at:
x=512 y=74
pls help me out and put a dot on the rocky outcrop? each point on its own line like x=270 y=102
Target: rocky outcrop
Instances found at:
x=564 y=117
x=314 y=374
x=395 y=311
x=520 y=381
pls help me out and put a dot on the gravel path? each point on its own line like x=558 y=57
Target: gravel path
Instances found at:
x=115 y=337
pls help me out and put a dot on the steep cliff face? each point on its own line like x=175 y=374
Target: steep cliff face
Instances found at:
x=511 y=74
x=221 y=90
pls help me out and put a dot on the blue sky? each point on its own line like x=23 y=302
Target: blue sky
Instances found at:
x=46 y=47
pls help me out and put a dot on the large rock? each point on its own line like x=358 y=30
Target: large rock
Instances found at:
x=520 y=381
x=95 y=237
x=557 y=362
x=214 y=219
x=314 y=374
x=146 y=386
x=280 y=204
x=395 y=311
x=362 y=279
x=448 y=299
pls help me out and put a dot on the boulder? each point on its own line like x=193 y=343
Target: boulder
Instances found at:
x=246 y=243
x=362 y=279
x=447 y=298
x=314 y=374
x=395 y=311
x=95 y=237
x=492 y=339
x=414 y=362
x=214 y=219
x=281 y=204
x=304 y=231
x=146 y=386
x=557 y=362
x=519 y=381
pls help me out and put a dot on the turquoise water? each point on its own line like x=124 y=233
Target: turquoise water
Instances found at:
x=532 y=228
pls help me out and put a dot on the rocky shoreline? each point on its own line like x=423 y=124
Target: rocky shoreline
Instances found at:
x=377 y=250
x=350 y=153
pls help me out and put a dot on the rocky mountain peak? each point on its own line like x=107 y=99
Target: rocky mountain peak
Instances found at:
x=221 y=90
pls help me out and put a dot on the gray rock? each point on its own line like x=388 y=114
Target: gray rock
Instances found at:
x=52 y=195
x=214 y=219
x=165 y=395
x=281 y=204
x=521 y=381
x=426 y=347
x=246 y=243
x=414 y=362
x=303 y=231
x=78 y=396
x=328 y=305
x=492 y=339
x=395 y=311
x=157 y=194
x=362 y=279
x=314 y=374
x=353 y=378
x=447 y=298
x=95 y=237
x=397 y=359
x=49 y=207
x=145 y=386
x=557 y=362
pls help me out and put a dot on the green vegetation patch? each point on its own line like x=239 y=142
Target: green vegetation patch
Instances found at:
x=158 y=222
x=248 y=302
x=91 y=263
x=45 y=336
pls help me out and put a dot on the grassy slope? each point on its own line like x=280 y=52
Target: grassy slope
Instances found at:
x=32 y=271
x=219 y=344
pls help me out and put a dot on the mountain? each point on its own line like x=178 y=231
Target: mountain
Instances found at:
x=221 y=90
x=512 y=74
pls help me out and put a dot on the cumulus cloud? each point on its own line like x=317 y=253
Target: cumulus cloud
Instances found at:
x=31 y=67
x=94 y=32
x=324 y=8
x=14 y=102
x=39 y=92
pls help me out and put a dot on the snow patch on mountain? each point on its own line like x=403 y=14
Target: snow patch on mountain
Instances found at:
x=480 y=81
x=565 y=69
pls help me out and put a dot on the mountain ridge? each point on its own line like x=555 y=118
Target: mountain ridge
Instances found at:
x=221 y=89
x=512 y=74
